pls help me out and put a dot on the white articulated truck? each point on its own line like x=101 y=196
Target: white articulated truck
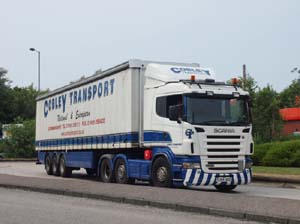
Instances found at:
x=169 y=123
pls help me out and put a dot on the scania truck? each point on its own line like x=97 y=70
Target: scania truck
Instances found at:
x=172 y=124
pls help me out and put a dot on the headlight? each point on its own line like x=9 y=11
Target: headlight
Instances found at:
x=191 y=165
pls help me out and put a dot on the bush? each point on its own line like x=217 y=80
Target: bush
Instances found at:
x=21 y=142
x=282 y=154
x=260 y=152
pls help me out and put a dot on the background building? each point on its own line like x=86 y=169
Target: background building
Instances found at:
x=291 y=119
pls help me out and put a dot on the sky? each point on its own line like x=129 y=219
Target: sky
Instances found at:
x=77 y=38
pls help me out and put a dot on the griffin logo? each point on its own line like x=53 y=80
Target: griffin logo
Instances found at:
x=189 y=133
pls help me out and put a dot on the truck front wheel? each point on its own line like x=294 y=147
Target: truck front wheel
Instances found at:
x=48 y=165
x=225 y=188
x=161 y=173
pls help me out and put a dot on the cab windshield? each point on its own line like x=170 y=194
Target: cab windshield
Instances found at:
x=216 y=110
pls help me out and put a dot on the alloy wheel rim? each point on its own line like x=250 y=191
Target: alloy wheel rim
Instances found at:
x=162 y=174
x=121 y=172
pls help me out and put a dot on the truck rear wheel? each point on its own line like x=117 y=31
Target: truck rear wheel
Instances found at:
x=225 y=188
x=106 y=172
x=55 y=167
x=48 y=165
x=161 y=173
x=120 y=172
x=63 y=169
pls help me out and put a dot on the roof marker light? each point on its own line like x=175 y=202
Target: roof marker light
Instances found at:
x=193 y=78
x=235 y=81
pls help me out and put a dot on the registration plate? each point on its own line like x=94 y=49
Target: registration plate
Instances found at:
x=226 y=180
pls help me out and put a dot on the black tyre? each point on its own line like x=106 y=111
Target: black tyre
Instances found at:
x=161 y=173
x=63 y=169
x=48 y=165
x=90 y=172
x=55 y=167
x=225 y=188
x=121 y=173
x=106 y=172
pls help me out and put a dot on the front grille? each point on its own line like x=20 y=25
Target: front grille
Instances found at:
x=222 y=153
x=222 y=156
x=223 y=137
x=222 y=150
x=223 y=162
x=223 y=143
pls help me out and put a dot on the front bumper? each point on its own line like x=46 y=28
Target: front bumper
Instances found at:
x=197 y=177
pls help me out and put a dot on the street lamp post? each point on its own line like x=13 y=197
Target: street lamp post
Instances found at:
x=39 y=67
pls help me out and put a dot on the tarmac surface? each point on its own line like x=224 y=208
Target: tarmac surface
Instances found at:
x=17 y=206
x=267 y=202
x=262 y=189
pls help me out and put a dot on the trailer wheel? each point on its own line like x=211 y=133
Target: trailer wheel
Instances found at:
x=225 y=188
x=106 y=173
x=48 y=165
x=121 y=173
x=55 y=167
x=161 y=173
x=63 y=169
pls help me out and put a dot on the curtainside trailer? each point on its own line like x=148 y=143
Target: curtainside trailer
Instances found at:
x=171 y=124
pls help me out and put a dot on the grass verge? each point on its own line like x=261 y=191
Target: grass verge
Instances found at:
x=277 y=170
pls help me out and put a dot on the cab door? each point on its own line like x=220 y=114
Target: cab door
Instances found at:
x=190 y=137
x=161 y=121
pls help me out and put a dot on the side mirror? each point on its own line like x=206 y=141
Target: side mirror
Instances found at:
x=175 y=113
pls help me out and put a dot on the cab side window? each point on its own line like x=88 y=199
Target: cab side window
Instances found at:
x=164 y=102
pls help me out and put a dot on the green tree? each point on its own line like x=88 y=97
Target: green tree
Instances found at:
x=21 y=140
x=267 y=122
x=5 y=98
x=23 y=102
x=250 y=85
x=288 y=95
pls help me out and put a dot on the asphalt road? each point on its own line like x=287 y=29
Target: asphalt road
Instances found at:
x=258 y=201
x=271 y=190
x=17 y=206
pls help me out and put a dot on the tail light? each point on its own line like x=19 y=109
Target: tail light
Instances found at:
x=148 y=154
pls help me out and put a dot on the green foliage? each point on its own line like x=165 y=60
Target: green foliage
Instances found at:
x=266 y=119
x=267 y=122
x=288 y=137
x=17 y=105
x=23 y=102
x=21 y=142
x=260 y=152
x=282 y=154
x=2 y=146
x=288 y=95
x=17 y=101
x=277 y=170
x=250 y=86
x=5 y=97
